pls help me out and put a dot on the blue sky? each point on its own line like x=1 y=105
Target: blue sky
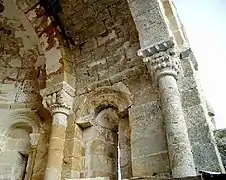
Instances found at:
x=205 y=24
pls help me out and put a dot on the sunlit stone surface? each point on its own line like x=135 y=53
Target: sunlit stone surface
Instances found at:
x=81 y=79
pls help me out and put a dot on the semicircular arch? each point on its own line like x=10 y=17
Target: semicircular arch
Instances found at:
x=117 y=96
x=28 y=118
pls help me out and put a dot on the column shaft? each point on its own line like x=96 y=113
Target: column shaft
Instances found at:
x=56 y=147
x=58 y=100
x=164 y=64
x=180 y=155
x=125 y=148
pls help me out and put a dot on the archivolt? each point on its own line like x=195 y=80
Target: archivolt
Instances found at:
x=24 y=117
x=117 y=96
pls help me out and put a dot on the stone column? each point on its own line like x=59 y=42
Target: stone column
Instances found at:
x=58 y=100
x=124 y=140
x=164 y=65
x=34 y=137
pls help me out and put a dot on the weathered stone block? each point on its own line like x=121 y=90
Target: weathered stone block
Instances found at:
x=73 y=147
x=190 y=97
x=190 y=55
x=195 y=115
x=6 y=171
x=149 y=17
x=145 y=120
x=73 y=163
x=153 y=34
x=98 y=147
x=187 y=67
x=8 y=157
x=206 y=158
x=198 y=125
x=10 y=144
x=202 y=139
x=142 y=147
x=220 y=136
x=187 y=83
x=125 y=157
x=143 y=96
x=99 y=163
x=70 y=174
x=199 y=133
x=150 y=165
x=138 y=8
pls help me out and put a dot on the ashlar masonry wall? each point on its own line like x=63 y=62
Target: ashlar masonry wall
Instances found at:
x=221 y=143
x=116 y=100
x=106 y=53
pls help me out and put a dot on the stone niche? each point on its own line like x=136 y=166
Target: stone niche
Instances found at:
x=109 y=133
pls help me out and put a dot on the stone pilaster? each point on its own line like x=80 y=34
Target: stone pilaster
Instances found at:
x=164 y=65
x=58 y=100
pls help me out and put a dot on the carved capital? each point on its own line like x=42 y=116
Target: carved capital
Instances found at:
x=58 y=98
x=161 y=59
x=34 y=137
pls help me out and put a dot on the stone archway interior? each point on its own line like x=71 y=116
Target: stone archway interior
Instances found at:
x=101 y=142
x=101 y=146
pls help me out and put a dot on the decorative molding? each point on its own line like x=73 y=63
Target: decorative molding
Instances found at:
x=117 y=95
x=26 y=116
x=59 y=87
x=85 y=121
x=161 y=59
x=58 y=98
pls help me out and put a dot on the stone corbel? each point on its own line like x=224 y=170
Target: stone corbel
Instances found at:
x=58 y=98
x=85 y=121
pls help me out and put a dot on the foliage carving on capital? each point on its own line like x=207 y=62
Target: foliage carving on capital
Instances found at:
x=58 y=98
x=162 y=59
